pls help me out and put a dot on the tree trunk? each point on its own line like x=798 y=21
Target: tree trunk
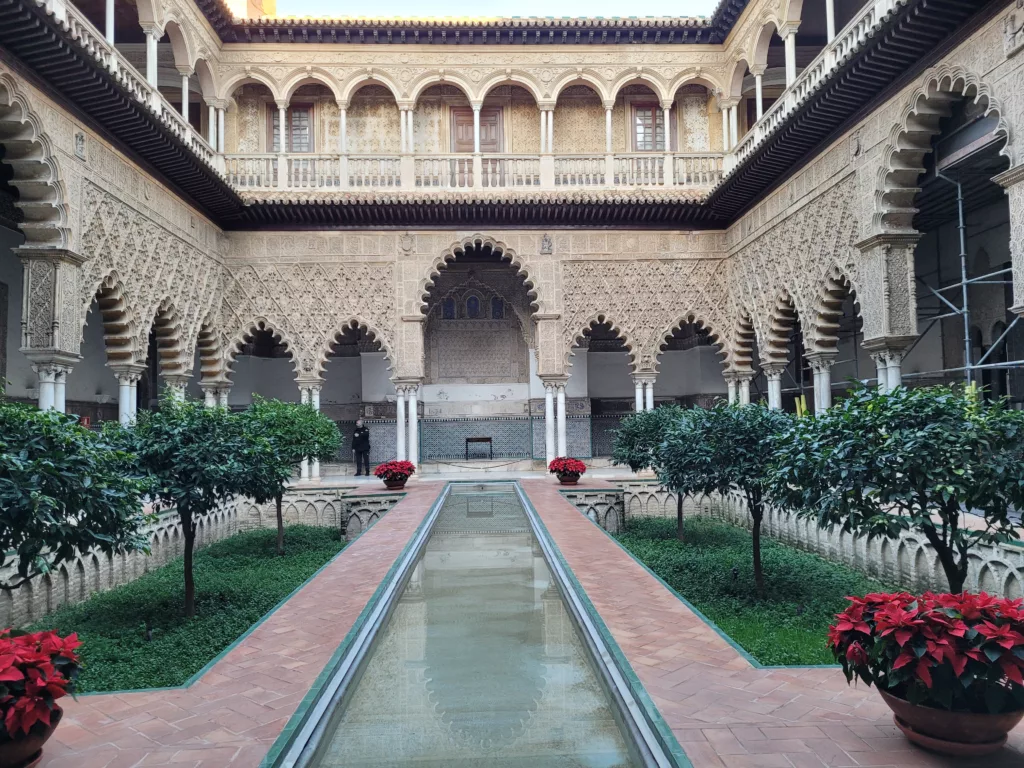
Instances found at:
x=757 y=513
x=679 y=517
x=280 y=526
x=956 y=573
x=190 y=583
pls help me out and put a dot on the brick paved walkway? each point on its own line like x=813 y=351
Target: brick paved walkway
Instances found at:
x=232 y=715
x=725 y=712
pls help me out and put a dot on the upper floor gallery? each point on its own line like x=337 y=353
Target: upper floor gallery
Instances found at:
x=274 y=105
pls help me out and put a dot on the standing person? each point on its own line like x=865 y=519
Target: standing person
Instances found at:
x=361 y=448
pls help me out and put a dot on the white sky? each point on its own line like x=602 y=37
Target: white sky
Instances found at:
x=406 y=8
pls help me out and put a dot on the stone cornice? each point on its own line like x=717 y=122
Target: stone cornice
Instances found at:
x=1007 y=179
x=899 y=239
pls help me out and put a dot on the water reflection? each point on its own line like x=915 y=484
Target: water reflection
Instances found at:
x=480 y=663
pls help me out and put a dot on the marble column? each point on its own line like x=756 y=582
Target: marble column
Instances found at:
x=211 y=125
x=314 y=400
x=109 y=19
x=400 y=423
x=889 y=368
x=47 y=385
x=414 y=424
x=127 y=392
x=821 y=369
x=758 y=94
x=222 y=396
x=60 y=382
x=830 y=20
x=304 y=398
x=638 y=392
x=151 y=55
x=175 y=384
x=560 y=400
x=774 y=375
x=725 y=126
x=551 y=130
x=476 y=130
x=734 y=137
x=743 y=389
x=543 y=131
x=220 y=129
x=184 y=95
x=549 y=422
x=608 y=130
x=649 y=395
x=790 y=42
x=209 y=395
x=342 y=129
x=731 y=390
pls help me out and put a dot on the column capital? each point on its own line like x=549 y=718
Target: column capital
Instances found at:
x=788 y=28
x=774 y=371
x=50 y=358
x=644 y=378
x=128 y=373
x=184 y=70
x=757 y=71
x=729 y=103
x=888 y=344
x=177 y=380
x=51 y=370
x=821 y=361
x=152 y=28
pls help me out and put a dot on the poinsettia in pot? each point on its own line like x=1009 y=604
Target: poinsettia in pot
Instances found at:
x=395 y=473
x=567 y=469
x=36 y=669
x=950 y=666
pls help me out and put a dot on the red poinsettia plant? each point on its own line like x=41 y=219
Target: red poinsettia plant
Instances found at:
x=36 y=669
x=959 y=652
x=564 y=465
x=392 y=471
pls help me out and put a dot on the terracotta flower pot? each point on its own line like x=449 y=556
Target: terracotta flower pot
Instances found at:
x=396 y=485
x=27 y=751
x=568 y=479
x=951 y=733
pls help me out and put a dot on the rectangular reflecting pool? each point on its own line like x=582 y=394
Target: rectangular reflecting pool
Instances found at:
x=479 y=663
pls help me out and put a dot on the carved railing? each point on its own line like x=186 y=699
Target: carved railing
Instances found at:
x=259 y=172
x=849 y=39
x=444 y=171
x=510 y=171
x=581 y=171
x=95 y=44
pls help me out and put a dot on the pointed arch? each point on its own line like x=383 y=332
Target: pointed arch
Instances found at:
x=659 y=342
x=29 y=153
x=353 y=322
x=910 y=141
x=245 y=333
x=538 y=302
x=603 y=318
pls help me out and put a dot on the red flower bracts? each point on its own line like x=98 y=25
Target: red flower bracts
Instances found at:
x=963 y=653
x=36 y=669
x=567 y=466
x=394 y=470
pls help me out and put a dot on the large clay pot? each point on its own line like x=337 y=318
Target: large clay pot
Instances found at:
x=964 y=734
x=395 y=485
x=566 y=478
x=25 y=752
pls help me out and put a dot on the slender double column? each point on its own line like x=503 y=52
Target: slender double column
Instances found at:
x=128 y=391
x=407 y=425
x=889 y=368
x=821 y=369
x=738 y=387
x=774 y=375
x=550 y=451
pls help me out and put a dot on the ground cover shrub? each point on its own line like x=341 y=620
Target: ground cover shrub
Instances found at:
x=137 y=635
x=713 y=570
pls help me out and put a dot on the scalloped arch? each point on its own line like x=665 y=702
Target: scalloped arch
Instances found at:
x=167 y=328
x=353 y=321
x=835 y=287
x=603 y=318
x=655 y=346
x=120 y=322
x=246 y=331
x=781 y=322
x=30 y=154
x=910 y=141
x=538 y=302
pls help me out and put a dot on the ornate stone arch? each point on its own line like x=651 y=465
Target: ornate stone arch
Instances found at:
x=601 y=318
x=781 y=321
x=512 y=77
x=367 y=77
x=792 y=10
x=640 y=76
x=207 y=78
x=439 y=77
x=538 y=302
x=169 y=334
x=355 y=322
x=246 y=331
x=910 y=141
x=209 y=341
x=734 y=83
x=651 y=354
x=707 y=79
x=229 y=86
x=740 y=353
x=120 y=321
x=309 y=76
x=587 y=77
x=29 y=152
x=181 y=45
x=834 y=288
x=757 y=54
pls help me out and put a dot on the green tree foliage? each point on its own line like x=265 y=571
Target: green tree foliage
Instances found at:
x=912 y=459
x=638 y=442
x=63 y=490
x=293 y=432
x=722 y=449
x=196 y=459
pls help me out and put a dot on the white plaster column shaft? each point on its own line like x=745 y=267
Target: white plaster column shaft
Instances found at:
x=109 y=21
x=774 y=376
x=743 y=390
x=758 y=96
x=220 y=129
x=184 y=97
x=400 y=424
x=821 y=368
x=414 y=426
x=561 y=420
x=638 y=392
x=211 y=126
x=830 y=20
x=549 y=422
x=151 y=56
x=790 y=58
x=734 y=138
x=725 y=127
x=304 y=399
x=649 y=395
x=476 y=130
x=343 y=129
x=282 y=128
x=551 y=130
x=222 y=396
x=314 y=400
x=730 y=389
x=543 y=131
x=608 y=130
x=881 y=371
x=60 y=389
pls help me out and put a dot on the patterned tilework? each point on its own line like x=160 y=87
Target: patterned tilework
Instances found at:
x=577 y=437
x=602 y=430
x=442 y=439
x=382 y=440
x=725 y=712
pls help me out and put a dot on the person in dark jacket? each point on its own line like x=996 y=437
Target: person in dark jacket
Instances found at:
x=361 y=448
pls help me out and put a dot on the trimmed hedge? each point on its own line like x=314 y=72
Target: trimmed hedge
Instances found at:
x=237 y=581
x=713 y=570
